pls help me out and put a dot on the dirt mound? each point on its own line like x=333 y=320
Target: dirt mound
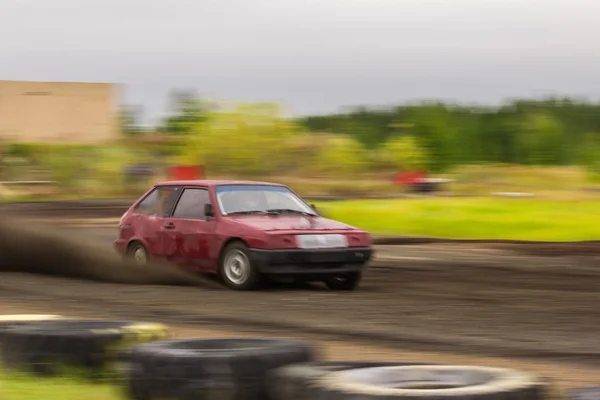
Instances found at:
x=35 y=248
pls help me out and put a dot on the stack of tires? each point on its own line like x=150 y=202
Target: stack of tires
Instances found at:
x=590 y=393
x=211 y=368
x=154 y=367
x=8 y=321
x=56 y=346
x=277 y=369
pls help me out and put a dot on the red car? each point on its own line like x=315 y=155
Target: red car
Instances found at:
x=242 y=231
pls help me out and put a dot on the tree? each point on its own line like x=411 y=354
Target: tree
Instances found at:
x=589 y=152
x=540 y=140
x=248 y=139
x=404 y=153
x=187 y=111
x=130 y=120
x=338 y=155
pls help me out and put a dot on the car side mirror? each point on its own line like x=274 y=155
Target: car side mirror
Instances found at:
x=208 y=210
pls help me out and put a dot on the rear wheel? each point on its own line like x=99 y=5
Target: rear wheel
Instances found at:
x=236 y=269
x=347 y=281
x=138 y=254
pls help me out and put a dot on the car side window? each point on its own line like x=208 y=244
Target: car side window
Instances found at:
x=160 y=201
x=191 y=204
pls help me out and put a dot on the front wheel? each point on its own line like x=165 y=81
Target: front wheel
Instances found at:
x=236 y=269
x=347 y=281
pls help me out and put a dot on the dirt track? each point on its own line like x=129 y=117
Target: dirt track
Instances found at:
x=441 y=297
x=417 y=302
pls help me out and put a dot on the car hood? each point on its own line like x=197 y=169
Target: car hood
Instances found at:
x=290 y=222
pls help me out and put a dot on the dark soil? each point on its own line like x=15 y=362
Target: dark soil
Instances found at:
x=460 y=300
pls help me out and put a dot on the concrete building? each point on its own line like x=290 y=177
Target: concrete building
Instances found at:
x=58 y=112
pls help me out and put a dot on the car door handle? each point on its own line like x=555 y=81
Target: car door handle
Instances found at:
x=169 y=225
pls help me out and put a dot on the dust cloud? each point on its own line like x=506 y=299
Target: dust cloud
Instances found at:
x=36 y=248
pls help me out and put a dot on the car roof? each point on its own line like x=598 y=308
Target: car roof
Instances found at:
x=208 y=182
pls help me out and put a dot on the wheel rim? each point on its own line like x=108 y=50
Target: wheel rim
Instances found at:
x=237 y=267
x=139 y=256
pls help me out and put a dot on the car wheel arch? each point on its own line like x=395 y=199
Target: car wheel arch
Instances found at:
x=252 y=279
x=228 y=241
x=133 y=242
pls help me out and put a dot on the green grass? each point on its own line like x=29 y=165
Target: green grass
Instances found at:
x=473 y=218
x=474 y=180
x=548 y=181
x=21 y=387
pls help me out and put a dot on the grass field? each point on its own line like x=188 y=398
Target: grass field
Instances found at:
x=471 y=180
x=563 y=210
x=28 y=388
x=473 y=218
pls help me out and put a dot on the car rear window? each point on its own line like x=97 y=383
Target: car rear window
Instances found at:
x=160 y=201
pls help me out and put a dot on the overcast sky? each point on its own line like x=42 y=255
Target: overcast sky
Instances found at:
x=313 y=55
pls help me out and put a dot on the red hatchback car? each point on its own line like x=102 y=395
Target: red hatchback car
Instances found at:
x=242 y=231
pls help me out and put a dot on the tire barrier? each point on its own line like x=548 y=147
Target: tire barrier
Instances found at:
x=588 y=393
x=294 y=382
x=431 y=382
x=210 y=368
x=242 y=368
x=10 y=320
x=94 y=348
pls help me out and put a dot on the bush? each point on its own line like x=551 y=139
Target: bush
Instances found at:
x=66 y=164
x=339 y=155
x=402 y=153
x=79 y=170
x=248 y=140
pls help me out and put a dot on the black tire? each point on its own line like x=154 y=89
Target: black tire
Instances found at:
x=137 y=253
x=432 y=382
x=348 y=281
x=211 y=368
x=588 y=393
x=295 y=382
x=8 y=321
x=239 y=250
x=91 y=348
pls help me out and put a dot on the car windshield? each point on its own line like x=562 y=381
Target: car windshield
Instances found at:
x=259 y=199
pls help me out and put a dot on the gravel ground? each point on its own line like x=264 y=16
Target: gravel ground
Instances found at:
x=564 y=376
x=449 y=303
x=444 y=297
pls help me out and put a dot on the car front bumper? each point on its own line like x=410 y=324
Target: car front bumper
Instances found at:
x=308 y=262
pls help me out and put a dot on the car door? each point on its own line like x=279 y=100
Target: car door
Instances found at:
x=149 y=221
x=194 y=232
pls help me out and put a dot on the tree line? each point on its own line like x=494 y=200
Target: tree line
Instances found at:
x=432 y=135
x=554 y=131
